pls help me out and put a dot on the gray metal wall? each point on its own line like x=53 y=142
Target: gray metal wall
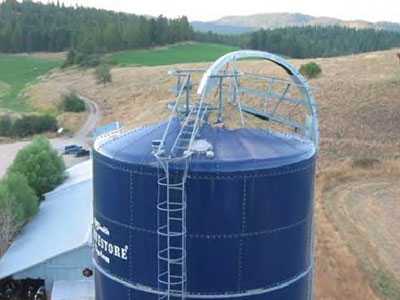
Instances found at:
x=68 y=266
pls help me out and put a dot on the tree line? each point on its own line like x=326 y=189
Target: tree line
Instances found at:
x=28 y=27
x=310 y=41
x=314 y=41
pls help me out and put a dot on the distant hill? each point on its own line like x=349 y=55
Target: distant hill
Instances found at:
x=241 y=24
x=222 y=29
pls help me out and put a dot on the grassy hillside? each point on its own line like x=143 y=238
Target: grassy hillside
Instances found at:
x=176 y=54
x=16 y=71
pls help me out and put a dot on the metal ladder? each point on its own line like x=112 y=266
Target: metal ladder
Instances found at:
x=189 y=129
x=171 y=208
x=171 y=204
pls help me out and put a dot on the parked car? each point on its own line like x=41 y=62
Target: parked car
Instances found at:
x=82 y=153
x=72 y=149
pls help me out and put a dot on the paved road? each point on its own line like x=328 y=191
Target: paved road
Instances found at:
x=82 y=137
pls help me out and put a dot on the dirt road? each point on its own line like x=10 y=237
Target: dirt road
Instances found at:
x=82 y=137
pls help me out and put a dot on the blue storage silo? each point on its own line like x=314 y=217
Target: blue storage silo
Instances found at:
x=240 y=224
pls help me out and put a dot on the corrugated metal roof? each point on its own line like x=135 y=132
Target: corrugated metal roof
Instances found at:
x=73 y=290
x=62 y=224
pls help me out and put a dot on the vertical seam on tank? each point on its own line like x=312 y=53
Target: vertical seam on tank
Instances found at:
x=187 y=253
x=130 y=231
x=312 y=245
x=242 y=230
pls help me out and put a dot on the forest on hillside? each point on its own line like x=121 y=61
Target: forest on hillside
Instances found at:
x=28 y=27
x=316 y=41
x=309 y=41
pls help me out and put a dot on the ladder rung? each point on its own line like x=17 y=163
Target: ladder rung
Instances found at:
x=163 y=274
x=163 y=182
x=171 y=280
x=171 y=249
x=174 y=188
x=176 y=292
x=171 y=233
x=172 y=261
x=164 y=232
x=172 y=203
x=172 y=207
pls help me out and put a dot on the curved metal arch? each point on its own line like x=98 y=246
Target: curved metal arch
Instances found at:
x=209 y=81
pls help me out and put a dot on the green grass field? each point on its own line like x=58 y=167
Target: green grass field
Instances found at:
x=175 y=54
x=16 y=71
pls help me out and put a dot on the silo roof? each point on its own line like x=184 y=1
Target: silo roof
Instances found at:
x=234 y=150
x=62 y=224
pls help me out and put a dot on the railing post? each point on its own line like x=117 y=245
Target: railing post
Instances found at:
x=221 y=104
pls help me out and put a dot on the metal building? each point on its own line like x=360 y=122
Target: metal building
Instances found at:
x=73 y=290
x=191 y=209
x=56 y=244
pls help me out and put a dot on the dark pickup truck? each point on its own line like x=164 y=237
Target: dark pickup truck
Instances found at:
x=72 y=149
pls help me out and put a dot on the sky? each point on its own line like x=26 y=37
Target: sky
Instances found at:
x=207 y=10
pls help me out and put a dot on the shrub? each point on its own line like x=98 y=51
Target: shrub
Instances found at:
x=72 y=103
x=83 y=59
x=70 y=60
x=18 y=198
x=6 y=125
x=90 y=60
x=18 y=203
x=310 y=70
x=34 y=124
x=41 y=165
x=8 y=226
x=103 y=74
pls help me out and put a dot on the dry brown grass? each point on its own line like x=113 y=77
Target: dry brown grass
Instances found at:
x=70 y=121
x=359 y=104
x=361 y=199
